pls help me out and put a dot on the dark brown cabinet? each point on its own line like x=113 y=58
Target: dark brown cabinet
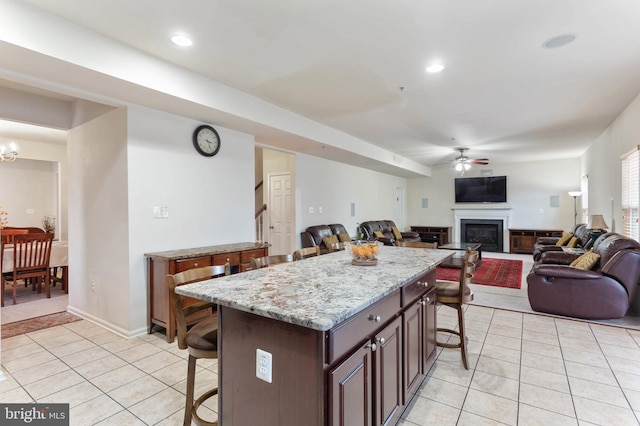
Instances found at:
x=522 y=240
x=161 y=264
x=433 y=234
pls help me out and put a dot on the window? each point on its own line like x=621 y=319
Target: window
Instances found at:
x=631 y=193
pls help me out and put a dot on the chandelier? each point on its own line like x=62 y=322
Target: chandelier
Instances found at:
x=10 y=155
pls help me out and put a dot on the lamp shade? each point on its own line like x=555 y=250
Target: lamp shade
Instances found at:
x=596 y=221
x=575 y=193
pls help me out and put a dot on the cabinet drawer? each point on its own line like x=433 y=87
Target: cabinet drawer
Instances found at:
x=221 y=259
x=195 y=262
x=246 y=256
x=346 y=335
x=416 y=288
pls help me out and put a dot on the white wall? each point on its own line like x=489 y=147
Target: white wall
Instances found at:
x=210 y=199
x=334 y=186
x=601 y=163
x=529 y=190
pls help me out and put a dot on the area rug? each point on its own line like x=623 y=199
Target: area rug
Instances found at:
x=38 y=323
x=494 y=272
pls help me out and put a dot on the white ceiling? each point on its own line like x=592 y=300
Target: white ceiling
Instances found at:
x=343 y=63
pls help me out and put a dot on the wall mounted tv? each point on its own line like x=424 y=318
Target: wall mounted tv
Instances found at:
x=489 y=189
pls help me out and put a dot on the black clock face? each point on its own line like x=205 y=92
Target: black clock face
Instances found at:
x=206 y=140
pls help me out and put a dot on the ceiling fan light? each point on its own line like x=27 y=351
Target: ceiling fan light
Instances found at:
x=458 y=167
x=467 y=166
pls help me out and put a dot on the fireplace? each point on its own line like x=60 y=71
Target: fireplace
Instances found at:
x=486 y=231
x=501 y=215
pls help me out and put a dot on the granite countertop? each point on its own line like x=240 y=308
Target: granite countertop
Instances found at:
x=317 y=292
x=204 y=251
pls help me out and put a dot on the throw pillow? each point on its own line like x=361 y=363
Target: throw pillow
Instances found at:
x=344 y=237
x=564 y=239
x=333 y=239
x=586 y=261
x=378 y=234
x=396 y=233
x=573 y=242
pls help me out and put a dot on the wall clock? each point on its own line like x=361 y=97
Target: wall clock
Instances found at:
x=206 y=140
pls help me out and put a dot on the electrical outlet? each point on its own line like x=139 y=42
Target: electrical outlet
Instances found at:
x=264 y=365
x=161 y=212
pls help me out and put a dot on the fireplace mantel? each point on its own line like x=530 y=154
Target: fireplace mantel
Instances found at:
x=494 y=213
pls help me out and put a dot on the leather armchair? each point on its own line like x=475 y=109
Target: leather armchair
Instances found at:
x=313 y=235
x=545 y=244
x=605 y=292
x=385 y=226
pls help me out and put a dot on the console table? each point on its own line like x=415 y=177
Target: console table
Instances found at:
x=522 y=240
x=347 y=344
x=161 y=264
x=433 y=234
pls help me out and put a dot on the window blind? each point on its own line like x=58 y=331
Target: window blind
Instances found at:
x=631 y=193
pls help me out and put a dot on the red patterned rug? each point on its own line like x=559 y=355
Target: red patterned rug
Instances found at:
x=495 y=272
x=39 y=323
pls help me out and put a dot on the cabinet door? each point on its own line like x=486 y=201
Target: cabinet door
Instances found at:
x=350 y=390
x=430 y=330
x=388 y=373
x=413 y=319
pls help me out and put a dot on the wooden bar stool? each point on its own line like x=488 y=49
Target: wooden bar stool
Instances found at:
x=264 y=261
x=455 y=295
x=201 y=340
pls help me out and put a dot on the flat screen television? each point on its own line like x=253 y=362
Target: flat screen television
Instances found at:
x=488 y=189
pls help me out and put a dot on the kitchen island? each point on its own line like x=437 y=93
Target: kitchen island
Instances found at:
x=349 y=344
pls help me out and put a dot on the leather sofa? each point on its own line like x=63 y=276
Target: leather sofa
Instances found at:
x=544 y=244
x=313 y=235
x=604 y=292
x=369 y=229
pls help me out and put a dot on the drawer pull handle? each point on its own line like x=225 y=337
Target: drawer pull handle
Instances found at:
x=428 y=300
x=380 y=340
x=423 y=283
x=195 y=264
x=375 y=318
x=423 y=302
x=371 y=346
x=228 y=260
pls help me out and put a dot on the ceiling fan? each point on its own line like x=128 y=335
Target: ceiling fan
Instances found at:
x=463 y=163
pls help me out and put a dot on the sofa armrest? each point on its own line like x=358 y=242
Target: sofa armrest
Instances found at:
x=564 y=271
x=410 y=234
x=547 y=241
x=384 y=240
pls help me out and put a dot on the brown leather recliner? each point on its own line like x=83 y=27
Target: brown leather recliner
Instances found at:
x=386 y=227
x=313 y=235
x=605 y=292
x=545 y=244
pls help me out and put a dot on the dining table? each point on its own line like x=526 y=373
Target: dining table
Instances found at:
x=59 y=259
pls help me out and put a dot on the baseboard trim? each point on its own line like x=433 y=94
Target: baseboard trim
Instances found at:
x=127 y=334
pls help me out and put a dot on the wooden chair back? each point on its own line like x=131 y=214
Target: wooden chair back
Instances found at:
x=261 y=262
x=303 y=253
x=31 y=257
x=464 y=294
x=9 y=234
x=183 y=306
x=416 y=244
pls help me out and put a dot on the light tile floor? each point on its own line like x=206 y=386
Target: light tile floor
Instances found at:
x=525 y=369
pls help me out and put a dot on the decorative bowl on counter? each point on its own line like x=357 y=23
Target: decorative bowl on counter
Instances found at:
x=363 y=253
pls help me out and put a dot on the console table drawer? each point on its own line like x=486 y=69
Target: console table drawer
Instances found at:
x=221 y=259
x=246 y=256
x=196 y=262
x=362 y=326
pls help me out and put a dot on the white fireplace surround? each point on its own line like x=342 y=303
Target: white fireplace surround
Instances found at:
x=503 y=214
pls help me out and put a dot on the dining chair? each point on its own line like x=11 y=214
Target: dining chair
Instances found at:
x=455 y=295
x=201 y=340
x=264 y=261
x=8 y=235
x=303 y=253
x=31 y=256
x=416 y=244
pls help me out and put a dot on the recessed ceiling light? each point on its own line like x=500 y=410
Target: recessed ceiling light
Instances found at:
x=434 y=68
x=181 y=40
x=558 y=41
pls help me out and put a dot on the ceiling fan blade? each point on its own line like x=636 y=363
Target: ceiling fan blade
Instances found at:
x=479 y=161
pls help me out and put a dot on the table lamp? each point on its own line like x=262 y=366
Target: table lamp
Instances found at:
x=597 y=225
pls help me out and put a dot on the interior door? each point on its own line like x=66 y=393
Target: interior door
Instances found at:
x=281 y=213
